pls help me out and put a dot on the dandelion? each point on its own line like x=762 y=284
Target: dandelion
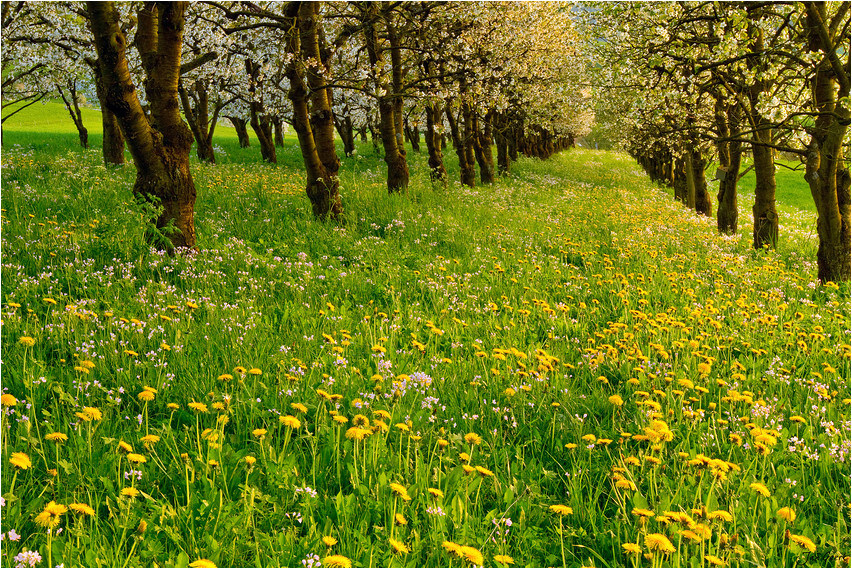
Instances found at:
x=561 y=510
x=337 y=561
x=472 y=555
x=146 y=396
x=56 y=437
x=225 y=377
x=8 y=400
x=26 y=341
x=720 y=515
x=290 y=421
x=403 y=427
x=136 y=458
x=357 y=433
x=472 y=439
x=399 y=490
x=361 y=421
x=760 y=489
x=20 y=460
x=484 y=472
x=787 y=514
x=803 y=541
x=504 y=559
x=716 y=561
x=468 y=469
x=436 y=493
x=250 y=460
x=398 y=546
x=130 y=492
x=616 y=400
x=633 y=548
x=93 y=413
x=123 y=446
x=658 y=542
x=464 y=457
x=641 y=512
x=453 y=548
x=259 y=433
x=340 y=419
x=202 y=563
x=197 y=407
x=83 y=509
x=298 y=407
x=150 y=440
x=329 y=541
x=254 y=371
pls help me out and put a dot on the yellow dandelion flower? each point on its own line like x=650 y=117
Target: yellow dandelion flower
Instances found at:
x=8 y=400
x=464 y=456
x=641 y=512
x=798 y=419
x=400 y=520
x=787 y=514
x=760 y=489
x=633 y=548
x=56 y=437
x=561 y=510
x=329 y=541
x=225 y=377
x=616 y=400
x=136 y=458
x=26 y=341
x=173 y=406
x=468 y=469
x=382 y=413
x=83 y=509
x=149 y=440
x=690 y=535
x=93 y=413
x=123 y=446
x=202 y=563
x=197 y=407
x=379 y=425
x=47 y=520
x=803 y=541
x=336 y=561
x=472 y=439
x=472 y=555
x=435 y=492
x=146 y=395
x=625 y=485
x=340 y=419
x=255 y=371
x=451 y=547
x=240 y=370
x=20 y=460
x=298 y=407
x=250 y=460
x=659 y=542
x=357 y=433
x=720 y=515
x=484 y=472
x=397 y=488
x=360 y=421
x=259 y=433
x=290 y=421
x=129 y=492
x=715 y=561
x=504 y=560
x=403 y=427
x=443 y=443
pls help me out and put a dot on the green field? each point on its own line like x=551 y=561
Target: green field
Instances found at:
x=567 y=368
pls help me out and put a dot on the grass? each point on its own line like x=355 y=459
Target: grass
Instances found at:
x=549 y=369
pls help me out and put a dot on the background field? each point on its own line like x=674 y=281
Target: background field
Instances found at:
x=574 y=333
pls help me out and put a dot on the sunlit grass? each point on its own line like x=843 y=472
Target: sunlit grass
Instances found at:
x=566 y=368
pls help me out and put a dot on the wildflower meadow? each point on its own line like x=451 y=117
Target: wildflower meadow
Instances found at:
x=564 y=368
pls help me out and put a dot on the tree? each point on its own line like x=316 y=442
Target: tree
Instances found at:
x=160 y=141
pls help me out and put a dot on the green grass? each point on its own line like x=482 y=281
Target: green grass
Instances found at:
x=586 y=341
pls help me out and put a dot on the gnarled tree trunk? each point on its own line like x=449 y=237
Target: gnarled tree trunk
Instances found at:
x=437 y=170
x=242 y=131
x=467 y=170
x=727 y=119
x=160 y=149
x=482 y=148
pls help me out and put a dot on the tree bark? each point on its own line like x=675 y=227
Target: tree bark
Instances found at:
x=390 y=104
x=242 y=131
x=314 y=127
x=113 y=143
x=482 y=141
x=259 y=122
x=502 y=144
x=702 y=196
x=467 y=171
x=437 y=170
x=727 y=119
x=826 y=166
x=198 y=119
x=72 y=105
x=160 y=148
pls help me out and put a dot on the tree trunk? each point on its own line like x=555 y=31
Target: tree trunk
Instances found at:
x=437 y=170
x=390 y=120
x=466 y=168
x=278 y=126
x=347 y=133
x=412 y=135
x=242 y=131
x=113 y=143
x=727 y=119
x=482 y=148
x=314 y=127
x=73 y=107
x=160 y=149
x=702 y=196
x=502 y=144
x=262 y=130
x=765 y=231
x=826 y=169
x=197 y=117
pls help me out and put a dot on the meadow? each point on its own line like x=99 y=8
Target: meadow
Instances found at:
x=566 y=368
